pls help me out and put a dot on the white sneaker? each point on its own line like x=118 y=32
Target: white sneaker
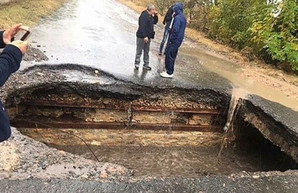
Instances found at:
x=166 y=75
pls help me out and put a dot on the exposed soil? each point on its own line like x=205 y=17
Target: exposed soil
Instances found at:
x=44 y=81
x=25 y=163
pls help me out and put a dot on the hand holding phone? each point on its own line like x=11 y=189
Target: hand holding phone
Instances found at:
x=10 y=33
x=21 y=45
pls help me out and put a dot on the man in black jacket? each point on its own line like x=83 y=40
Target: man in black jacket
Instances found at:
x=167 y=22
x=144 y=35
x=10 y=60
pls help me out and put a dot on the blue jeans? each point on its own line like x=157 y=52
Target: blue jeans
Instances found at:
x=171 y=54
x=164 y=39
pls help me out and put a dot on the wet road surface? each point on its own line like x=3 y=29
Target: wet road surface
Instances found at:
x=94 y=33
x=244 y=183
x=101 y=34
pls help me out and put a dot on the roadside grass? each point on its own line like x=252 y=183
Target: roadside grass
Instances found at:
x=27 y=12
x=137 y=5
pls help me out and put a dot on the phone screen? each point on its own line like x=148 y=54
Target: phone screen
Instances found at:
x=25 y=36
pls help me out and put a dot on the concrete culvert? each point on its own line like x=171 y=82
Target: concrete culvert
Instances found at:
x=155 y=132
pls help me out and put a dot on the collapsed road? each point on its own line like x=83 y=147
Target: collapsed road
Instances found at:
x=128 y=127
x=123 y=121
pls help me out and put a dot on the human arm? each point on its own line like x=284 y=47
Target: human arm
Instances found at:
x=155 y=18
x=142 y=25
x=175 y=31
x=8 y=35
x=10 y=59
x=168 y=16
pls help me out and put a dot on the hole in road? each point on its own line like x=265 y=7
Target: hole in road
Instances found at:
x=155 y=132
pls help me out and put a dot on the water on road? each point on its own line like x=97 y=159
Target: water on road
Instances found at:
x=101 y=34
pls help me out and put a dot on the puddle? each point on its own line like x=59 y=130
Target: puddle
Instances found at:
x=186 y=161
x=233 y=73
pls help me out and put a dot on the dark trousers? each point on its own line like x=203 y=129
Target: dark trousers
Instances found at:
x=164 y=40
x=142 y=46
x=171 y=54
x=5 y=131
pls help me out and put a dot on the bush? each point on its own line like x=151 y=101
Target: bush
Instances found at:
x=275 y=32
x=269 y=29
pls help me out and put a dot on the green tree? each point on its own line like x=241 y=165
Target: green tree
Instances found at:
x=275 y=30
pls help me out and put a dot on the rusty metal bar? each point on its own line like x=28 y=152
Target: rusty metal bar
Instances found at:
x=134 y=108
x=193 y=111
x=113 y=126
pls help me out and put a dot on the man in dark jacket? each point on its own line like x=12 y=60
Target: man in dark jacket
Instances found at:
x=167 y=22
x=144 y=35
x=175 y=40
x=10 y=60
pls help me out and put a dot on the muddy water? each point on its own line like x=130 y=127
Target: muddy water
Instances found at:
x=170 y=161
x=234 y=73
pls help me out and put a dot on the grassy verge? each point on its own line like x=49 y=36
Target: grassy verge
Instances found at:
x=27 y=12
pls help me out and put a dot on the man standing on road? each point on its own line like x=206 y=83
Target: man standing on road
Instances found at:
x=175 y=40
x=167 y=22
x=10 y=60
x=144 y=35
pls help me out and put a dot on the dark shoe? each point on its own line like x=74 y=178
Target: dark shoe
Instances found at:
x=147 y=67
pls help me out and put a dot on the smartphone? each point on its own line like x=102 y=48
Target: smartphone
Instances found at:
x=26 y=36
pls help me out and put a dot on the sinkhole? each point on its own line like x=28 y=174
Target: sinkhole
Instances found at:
x=155 y=132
